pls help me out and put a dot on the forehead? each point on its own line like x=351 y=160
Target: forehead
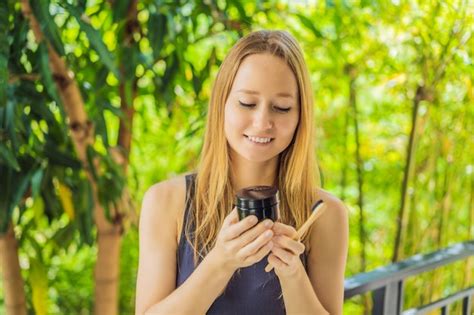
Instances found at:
x=266 y=74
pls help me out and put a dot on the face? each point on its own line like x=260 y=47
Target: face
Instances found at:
x=262 y=110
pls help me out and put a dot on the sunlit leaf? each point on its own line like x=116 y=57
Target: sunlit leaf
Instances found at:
x=47 y=24
x=95 y=38
x=39 y=284
x=65 y=196
x=38 y=209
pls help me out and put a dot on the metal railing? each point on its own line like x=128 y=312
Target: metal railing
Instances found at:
x=386 y=283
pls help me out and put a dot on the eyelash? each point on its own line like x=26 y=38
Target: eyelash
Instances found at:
x=284 y=110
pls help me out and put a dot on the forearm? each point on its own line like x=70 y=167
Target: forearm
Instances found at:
x=299 y=295
x=198 y=292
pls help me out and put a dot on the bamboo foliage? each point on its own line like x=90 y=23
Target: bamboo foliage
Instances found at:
x=89 y=179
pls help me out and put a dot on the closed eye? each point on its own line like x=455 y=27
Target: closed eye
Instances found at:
x=283 y=109
x=277 y=108
x=246 y=105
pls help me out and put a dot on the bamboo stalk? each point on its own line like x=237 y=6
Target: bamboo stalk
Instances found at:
x=108 y=234
x=11 y=273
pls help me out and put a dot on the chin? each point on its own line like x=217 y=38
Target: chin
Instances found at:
x=255 y=157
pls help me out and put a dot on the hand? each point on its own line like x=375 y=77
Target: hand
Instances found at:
x=242 y=243
x=286 y=251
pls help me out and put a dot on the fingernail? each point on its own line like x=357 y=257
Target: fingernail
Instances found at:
x=268 y=233
x=268 y=223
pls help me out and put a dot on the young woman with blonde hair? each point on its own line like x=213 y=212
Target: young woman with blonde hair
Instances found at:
x=196 y=257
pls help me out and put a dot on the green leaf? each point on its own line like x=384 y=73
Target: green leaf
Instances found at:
x=52 y=206
x=90 y=154
x=129 y=62
x=120 y=9
x=9 y=122
x=172 y=64
x=197 y=83
x=5 y=182
x=18 y=34
x=85 y=207
x=4 y=53
x=330 y=3
x=36 y=182
x=243 y=15
x=46 y=73
x=8 y=157
x=95 y=39
x=309 y=25
x=114 y=110
x=101 y=128
x=19 y=182
x=58 y=157
x=157 y=29
x=48 y=26
x=64 y=236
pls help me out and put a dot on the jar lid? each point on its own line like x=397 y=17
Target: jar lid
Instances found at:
x=257 y=197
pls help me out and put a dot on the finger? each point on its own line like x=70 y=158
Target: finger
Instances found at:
x=296 y=247
x=283 y=229
x=269 y=267
x=253 y=233
x=283 y=255
x=276 y=262
x=234 y=230
x=261 y=253
x=254 y=246
x=231 y=218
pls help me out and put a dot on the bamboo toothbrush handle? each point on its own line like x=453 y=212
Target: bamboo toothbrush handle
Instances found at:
x=318 y=210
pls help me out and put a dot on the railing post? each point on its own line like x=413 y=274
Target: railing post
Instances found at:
x=388 y=300
x=466 y=305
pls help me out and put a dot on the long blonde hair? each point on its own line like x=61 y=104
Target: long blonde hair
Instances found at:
x=298 y=174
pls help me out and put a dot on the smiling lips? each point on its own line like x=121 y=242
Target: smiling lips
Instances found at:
x=259 y=140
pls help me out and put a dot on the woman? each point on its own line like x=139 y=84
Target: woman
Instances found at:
x=196 y=256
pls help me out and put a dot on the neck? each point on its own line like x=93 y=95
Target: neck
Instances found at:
x=245 y=173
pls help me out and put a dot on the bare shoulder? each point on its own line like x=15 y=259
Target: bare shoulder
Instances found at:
x=333 y=223
x=164 y=202
x=335 y=208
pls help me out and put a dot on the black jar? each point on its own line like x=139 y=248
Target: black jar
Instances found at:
x=261 y=201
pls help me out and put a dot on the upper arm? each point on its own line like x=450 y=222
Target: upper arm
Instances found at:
x=156 y=277
x=328 y=255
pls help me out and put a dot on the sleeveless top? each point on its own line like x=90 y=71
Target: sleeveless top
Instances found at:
x=250 y=290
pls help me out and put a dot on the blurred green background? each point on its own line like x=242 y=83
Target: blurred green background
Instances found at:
x=393 y=84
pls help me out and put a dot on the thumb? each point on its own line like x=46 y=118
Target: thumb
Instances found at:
x=231 y=218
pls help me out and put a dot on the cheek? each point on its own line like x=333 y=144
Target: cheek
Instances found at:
x=232 y=121
x=288 y=127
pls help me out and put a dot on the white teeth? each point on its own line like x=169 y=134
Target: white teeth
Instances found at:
x=259 y=140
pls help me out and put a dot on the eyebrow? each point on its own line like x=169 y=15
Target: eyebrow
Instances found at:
x=281 y=94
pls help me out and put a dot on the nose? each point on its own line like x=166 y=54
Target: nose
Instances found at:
x=262 y=119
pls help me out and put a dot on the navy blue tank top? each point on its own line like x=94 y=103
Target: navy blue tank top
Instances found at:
x=250 y=291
